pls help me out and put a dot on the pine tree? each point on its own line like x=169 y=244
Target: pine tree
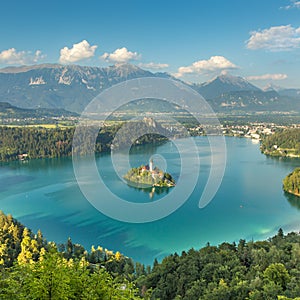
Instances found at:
x=25 y=255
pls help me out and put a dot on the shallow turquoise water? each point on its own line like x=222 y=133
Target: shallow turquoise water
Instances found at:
x=250 y=204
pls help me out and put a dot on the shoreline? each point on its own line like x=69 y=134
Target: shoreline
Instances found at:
x=289 y=155
x=145 y=185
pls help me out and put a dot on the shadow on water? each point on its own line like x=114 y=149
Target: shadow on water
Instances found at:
x=9 y=182
x=293 y=200
x=280 y=159
x=149 y=148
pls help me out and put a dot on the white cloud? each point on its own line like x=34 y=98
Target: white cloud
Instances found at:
x=153 y=66
x=277 y=38
x=214 y=64
x=38 y=55
x=120 y=55
x=294 y=4
x=268 y=77
x=78 y=52
x=13 y=57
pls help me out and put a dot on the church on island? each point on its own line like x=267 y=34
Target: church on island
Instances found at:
x=149 y=175
x=155 y=172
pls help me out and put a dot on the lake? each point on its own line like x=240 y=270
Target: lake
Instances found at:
x=250 y=204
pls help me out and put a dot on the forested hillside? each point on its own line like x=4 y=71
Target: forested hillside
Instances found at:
x=249 y=270
x=36 y=142
x=282 y=143
x=32 y=268
x=57 y=142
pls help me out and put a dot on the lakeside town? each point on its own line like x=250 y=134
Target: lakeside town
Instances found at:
x=254 y=130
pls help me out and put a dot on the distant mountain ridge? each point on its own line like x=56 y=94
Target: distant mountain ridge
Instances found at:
x=224 y=84
x=72 y=87
x=9 y=111
x=226 y=93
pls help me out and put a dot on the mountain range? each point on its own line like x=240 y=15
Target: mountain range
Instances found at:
x=72 y=87
x=9 y=111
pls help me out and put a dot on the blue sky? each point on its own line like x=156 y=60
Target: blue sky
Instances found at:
x=194 y=40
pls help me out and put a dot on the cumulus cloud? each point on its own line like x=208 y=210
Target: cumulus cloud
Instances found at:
x=13 y=57
x=294 y=4
x=120 y=55
x=80 y=51
x=214 y=64
x=277 y=38
x=268 y=77
x=153 y=66
x=38 y=55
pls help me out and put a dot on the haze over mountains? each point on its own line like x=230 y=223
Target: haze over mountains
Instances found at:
x=72 y=87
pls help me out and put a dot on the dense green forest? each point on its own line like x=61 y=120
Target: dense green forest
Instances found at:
x=282 y=143
x=249 y=270
x=291 y=183
x=36 y=142
x=57 y=142
x=32 y=268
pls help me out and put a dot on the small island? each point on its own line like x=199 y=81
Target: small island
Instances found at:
x=291 y=183
x=148 y=175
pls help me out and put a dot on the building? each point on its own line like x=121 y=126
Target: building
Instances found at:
x=151 y=165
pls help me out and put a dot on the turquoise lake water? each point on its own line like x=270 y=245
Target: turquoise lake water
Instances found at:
x=250 y=203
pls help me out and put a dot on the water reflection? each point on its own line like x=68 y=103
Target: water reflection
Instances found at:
x=293 y=200
x=152 y=191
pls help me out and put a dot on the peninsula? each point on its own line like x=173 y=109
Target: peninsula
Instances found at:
x=284 y=143
x=148 y=175
x=291 y=183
